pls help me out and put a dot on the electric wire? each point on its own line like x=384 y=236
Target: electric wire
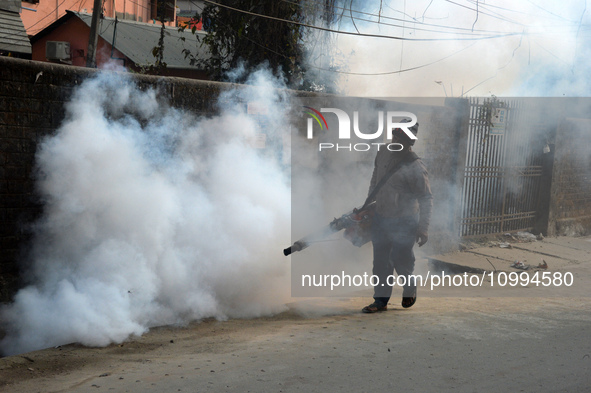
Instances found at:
x=476 y=20
x=577 y=36
x=409 y=16
x=498 y=69
x=552 y=54
x=48 y=14
x=483 y=13
x=402 y=70
x=139 y=5
x=545 y=10
x=362 y=34
x=569 y=24
x=104 y=29
x=454 y=29
x=380 y=73
x=78 y=3
x=410 y=20
x=387 y=72
x=488 y=5
x=425 y=11
x=358 y=73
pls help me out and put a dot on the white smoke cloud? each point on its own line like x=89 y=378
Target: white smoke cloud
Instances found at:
x=152 y=217
x=545 y=54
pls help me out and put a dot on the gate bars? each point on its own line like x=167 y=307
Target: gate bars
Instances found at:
x=503 y=168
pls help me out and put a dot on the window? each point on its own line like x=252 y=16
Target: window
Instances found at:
x=164 y=10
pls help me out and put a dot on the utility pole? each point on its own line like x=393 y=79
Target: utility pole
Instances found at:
x=93 y=38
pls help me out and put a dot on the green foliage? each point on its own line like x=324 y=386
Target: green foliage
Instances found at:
x=235 y=39
x=158 y=53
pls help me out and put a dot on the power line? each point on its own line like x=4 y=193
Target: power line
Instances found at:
x=476 y=20
x=139 y=5
x=361 y=34
x=399 y=71
x=465 y=31
x=425 y=11
x=79 y=3
x=480 y=83
x=551 y=13
x=48 y=14
x=483 y=13
x=103 y=30
x=410 y=20
x=577 y=36
x=552 y=54
x=245 y=37
x=554 y=16
x=356 y=73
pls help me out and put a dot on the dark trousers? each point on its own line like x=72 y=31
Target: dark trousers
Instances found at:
x=393 y=240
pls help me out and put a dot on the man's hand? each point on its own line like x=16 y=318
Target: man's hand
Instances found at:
x=422 y=238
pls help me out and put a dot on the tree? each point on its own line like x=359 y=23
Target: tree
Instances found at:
x=238 y=36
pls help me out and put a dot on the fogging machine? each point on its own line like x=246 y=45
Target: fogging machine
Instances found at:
x=356 y=223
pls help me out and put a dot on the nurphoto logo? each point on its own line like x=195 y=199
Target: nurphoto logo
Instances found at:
x=393 y=119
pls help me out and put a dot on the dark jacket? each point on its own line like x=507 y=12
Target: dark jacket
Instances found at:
x=407 y=192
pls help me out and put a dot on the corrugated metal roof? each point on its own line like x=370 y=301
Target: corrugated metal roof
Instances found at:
x=136 y=41
x=13 y=37
x=10 y=5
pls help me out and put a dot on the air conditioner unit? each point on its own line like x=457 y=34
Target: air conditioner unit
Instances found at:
x=57 y=50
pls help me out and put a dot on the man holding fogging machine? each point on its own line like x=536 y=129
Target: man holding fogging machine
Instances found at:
x=401 y=217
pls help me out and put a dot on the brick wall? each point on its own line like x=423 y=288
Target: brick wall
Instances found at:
x=32 y=97
x=31 y=106
x=570 y=192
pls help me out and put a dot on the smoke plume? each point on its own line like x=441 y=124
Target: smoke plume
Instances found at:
x=153 y=217
x=459 y=48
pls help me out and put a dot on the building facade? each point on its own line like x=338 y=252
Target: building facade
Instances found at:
x=38 y=14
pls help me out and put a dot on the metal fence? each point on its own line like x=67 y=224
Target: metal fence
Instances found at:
x=503 y=168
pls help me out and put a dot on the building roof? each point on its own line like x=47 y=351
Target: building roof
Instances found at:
x=13 y=37
x=136 y=40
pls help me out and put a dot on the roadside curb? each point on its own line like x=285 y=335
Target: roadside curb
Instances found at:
x=558 y=253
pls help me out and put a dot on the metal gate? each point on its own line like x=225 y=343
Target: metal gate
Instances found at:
x=503 y=168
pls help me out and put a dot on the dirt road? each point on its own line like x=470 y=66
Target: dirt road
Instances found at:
x=441 y=344
x=519 y=340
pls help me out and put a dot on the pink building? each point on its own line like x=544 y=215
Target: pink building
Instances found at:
x=38 y=14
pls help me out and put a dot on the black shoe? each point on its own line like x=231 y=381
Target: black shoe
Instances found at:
x=374 y=307
x=409 y=301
